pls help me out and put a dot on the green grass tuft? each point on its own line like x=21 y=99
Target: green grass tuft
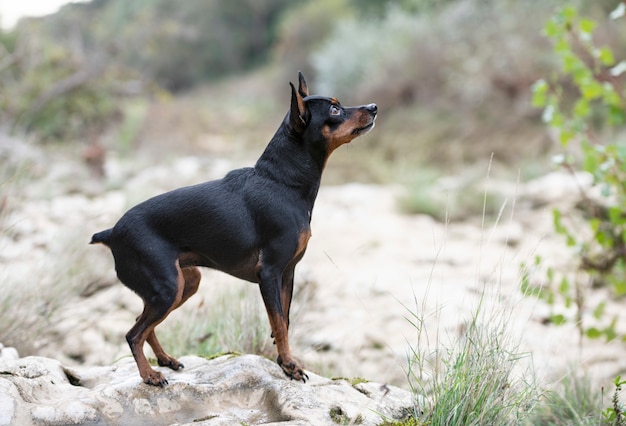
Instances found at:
x=475 y=380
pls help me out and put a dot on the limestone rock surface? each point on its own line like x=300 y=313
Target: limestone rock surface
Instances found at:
x=227 y=390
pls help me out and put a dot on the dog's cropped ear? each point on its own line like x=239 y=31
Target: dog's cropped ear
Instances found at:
x=303 y=89
x=297 y=113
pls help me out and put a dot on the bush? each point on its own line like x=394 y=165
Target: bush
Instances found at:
x=590 y=122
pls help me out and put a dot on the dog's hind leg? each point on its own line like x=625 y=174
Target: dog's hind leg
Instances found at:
x=191 y=277
x=162 y=290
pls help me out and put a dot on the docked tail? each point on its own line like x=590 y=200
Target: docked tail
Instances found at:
x=101 y=237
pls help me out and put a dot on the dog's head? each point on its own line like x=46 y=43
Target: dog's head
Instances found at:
x=324 y=121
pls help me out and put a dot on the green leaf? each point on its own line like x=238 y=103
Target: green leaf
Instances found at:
x=525 y=279
x=598 y=312
x=581 y=108
x=558 y=319
x=616 y=215
x=606 y=56
x=590 y=163
x=564 y=286
x=565 y=136
x=525 y=283
x=619 y=287
x=581 y=75
x=557 y=119
x=568 y=302
x=594 y=224
x=562 y=47
x=571 y=62
x=557 y=220
x=587 y=26
x=617 y=116
x=552 y=29
x=609 y=415
x=592 y=90
x=609 y=332
x=568 y=14
x=593 y=333
x=540 y=88
x=610 y=96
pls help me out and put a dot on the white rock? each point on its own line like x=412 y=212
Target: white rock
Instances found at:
x=8 y=352
x=227 y=390
x=557 y=187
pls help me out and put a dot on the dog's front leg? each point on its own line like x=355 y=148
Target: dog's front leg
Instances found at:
x=270 y=285
x=286 y=293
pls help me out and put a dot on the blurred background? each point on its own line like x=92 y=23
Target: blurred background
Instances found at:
x=452 y=78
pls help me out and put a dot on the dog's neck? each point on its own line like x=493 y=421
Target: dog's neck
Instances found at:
x=288 y=161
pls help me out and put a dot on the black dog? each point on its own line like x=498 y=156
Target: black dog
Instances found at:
x=253 y=224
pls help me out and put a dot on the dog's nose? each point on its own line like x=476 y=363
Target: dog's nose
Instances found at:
x=372 y=108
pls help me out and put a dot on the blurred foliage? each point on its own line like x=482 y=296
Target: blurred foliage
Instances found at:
x=66 y=76
x=590 y=123
x=48 y=88
x=453 y=79
x=411 y=56
x=451 y=199
x=450 y=76
x=180 y=44
x=374 y=8
x=302 y=31
x=176 y=44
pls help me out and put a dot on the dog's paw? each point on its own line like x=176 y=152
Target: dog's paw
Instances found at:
x=171 y=362
x=155 y=378
x=292 y=369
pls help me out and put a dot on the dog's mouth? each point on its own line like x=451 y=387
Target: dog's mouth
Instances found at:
x=363 y=130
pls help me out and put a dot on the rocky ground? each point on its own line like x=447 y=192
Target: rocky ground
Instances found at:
x=367 y=270
x=227 y=390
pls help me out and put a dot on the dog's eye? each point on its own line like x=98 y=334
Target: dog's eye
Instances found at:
x=334 y=110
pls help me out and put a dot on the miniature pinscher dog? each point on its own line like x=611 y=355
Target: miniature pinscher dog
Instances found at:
x=253 y=224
